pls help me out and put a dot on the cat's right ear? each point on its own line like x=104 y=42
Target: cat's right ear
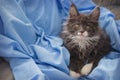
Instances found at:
x=73 y=10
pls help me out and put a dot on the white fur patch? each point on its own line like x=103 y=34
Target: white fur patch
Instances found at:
x=74 y=74
x=86 y=69
x=84 y=42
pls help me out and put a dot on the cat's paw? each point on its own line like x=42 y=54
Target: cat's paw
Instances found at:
x=86 y=69
x=74 y=74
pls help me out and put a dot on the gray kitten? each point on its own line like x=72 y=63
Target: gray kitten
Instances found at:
x=85 y=40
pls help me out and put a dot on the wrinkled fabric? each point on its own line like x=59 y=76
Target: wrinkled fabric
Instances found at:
x=30 y=42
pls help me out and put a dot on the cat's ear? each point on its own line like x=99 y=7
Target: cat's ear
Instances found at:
x=96 y=13
x=73 y=10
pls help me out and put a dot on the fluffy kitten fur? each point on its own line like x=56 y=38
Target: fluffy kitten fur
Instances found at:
x=85 y=40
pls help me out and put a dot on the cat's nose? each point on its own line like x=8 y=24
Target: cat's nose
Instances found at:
x=82 y=31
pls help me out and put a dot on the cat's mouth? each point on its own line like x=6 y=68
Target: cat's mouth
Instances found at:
x=80 y=38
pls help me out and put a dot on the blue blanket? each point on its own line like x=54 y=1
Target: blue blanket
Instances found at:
x=30 y=42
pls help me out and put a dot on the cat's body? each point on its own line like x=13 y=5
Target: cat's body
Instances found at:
x=85 y=40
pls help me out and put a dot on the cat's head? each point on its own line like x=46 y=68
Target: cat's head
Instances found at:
x=85 y=25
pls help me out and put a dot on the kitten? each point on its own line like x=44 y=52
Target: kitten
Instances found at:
x=85 y=40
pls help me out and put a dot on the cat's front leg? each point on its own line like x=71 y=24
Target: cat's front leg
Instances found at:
x=74 y=74
x=87 y=69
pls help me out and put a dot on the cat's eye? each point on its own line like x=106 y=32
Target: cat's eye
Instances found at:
x=87 y=27
x=76 y=26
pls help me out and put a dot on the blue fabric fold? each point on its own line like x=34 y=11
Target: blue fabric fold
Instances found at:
x=30 y=42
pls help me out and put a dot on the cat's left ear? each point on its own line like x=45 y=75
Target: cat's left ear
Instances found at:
x=96 y=13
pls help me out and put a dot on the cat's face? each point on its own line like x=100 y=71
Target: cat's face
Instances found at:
x=83 y=25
